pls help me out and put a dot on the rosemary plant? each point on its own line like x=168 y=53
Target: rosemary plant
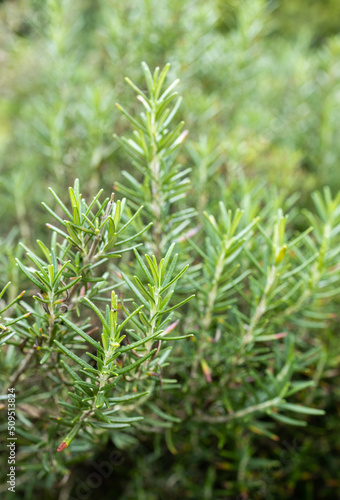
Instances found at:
x=162 y=181
x=93 y=367
x=91 y=350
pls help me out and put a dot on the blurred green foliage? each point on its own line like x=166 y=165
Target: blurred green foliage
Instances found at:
x=271 y=101
x=261 y=94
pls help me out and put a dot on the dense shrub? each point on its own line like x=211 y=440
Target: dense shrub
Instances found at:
x=209 y=368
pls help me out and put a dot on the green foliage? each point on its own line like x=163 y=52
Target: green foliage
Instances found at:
x=66 y=279
x=317 y=19
x=5 y=331
x=163 y=182
x=189 y=320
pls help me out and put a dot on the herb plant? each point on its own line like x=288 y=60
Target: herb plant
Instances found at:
x=166 y=320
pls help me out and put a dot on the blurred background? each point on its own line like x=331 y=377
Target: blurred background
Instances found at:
x=260 y=82
x=260 y=85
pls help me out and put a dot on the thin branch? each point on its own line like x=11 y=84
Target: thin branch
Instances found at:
x=222 y=419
